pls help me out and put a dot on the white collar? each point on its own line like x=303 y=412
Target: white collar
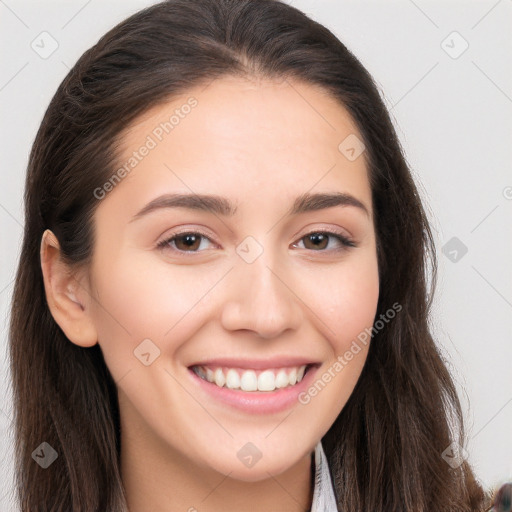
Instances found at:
x=324 y=499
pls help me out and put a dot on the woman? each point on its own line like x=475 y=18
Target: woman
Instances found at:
x=221 y=301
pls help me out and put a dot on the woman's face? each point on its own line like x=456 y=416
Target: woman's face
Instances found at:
x=252 y=288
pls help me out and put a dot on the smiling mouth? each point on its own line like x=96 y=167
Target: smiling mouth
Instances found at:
x=252 y=380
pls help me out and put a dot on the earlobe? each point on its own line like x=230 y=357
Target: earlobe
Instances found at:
x=66 y=296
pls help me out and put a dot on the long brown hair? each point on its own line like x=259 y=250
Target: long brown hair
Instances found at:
x=385 y=448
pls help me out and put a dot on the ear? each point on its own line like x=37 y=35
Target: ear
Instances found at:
x=67 y=294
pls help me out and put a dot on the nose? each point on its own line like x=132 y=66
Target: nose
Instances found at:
x=261 y=299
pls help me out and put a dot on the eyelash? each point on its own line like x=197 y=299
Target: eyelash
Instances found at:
x=344 y=240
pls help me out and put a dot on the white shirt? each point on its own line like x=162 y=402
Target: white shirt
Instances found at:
x=323 y=494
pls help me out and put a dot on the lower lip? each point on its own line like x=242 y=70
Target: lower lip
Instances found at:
x=256 y=402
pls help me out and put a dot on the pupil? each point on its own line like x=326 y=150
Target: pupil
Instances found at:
x=188 y=240
x=317 y=238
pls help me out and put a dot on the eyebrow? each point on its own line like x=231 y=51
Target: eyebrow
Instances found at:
x=221 y=206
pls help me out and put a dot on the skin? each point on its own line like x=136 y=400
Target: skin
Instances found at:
x=260 y=144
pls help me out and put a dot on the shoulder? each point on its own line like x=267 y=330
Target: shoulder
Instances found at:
x=502 y=501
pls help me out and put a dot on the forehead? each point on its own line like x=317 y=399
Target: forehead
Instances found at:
x=233 y=106
x=245 y=137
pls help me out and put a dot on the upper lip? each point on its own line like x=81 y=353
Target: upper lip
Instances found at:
x=256 y=364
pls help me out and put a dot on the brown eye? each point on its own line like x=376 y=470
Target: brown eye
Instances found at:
x=184 y=242
x=319 y=241
x=188 y=241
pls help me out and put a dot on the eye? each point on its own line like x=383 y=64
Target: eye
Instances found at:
x=319 y=240
x=187 y=241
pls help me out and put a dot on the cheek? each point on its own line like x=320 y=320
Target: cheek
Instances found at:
x=139 y=298
x=353 y=309
x=346 y=306
x=137 y=301
x=346 y=298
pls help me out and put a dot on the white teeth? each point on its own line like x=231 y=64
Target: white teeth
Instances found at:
x=292 y=377
x=249 y=380
x=266 y=381
x=220 y=380
x=232 y=379
x=281 y=379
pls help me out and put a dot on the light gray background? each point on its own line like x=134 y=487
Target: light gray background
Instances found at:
x=453 y=116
